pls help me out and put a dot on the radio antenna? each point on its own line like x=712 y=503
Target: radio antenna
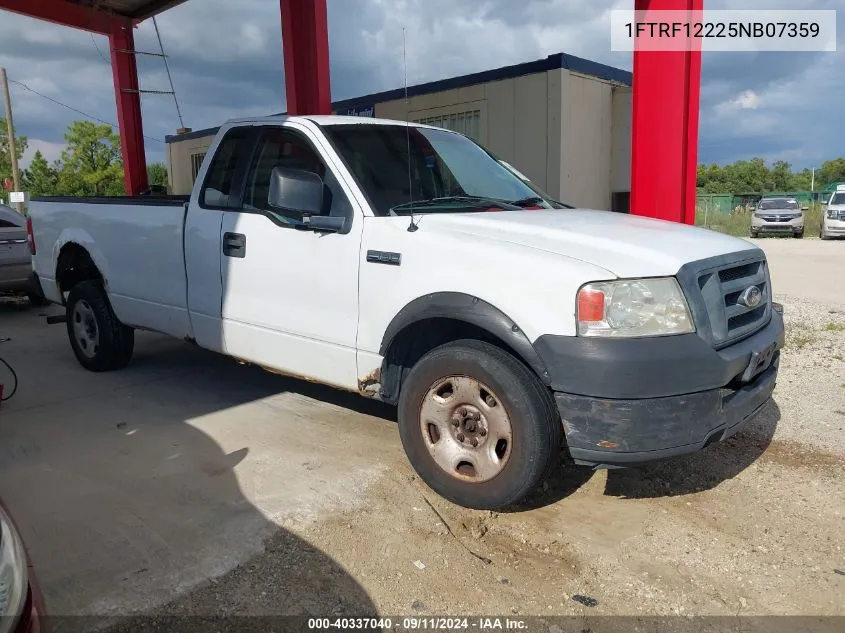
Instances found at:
x=413 y=225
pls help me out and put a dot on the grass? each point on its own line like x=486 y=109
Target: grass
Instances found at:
x=837 y=357
x=739 y=223
x=834 y=327
x=799 y=340
x=840 y=412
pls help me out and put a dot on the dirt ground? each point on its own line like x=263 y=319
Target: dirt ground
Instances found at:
x=191 y=485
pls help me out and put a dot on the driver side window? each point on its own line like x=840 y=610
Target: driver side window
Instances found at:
x=283 y=147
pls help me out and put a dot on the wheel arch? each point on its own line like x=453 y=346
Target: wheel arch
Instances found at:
x=438 y=318
x=74 y=264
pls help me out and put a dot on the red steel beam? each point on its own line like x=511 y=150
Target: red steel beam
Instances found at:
x=128 y=99
x=305 y=40
x=664 y=144
x=67 y=14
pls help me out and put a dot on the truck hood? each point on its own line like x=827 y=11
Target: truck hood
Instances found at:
x=624 y=245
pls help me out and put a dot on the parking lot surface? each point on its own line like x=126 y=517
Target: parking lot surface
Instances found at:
x=188 y=483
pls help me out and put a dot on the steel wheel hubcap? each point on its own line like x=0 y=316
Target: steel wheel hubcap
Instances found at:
x=85 y=329
x=466 y=429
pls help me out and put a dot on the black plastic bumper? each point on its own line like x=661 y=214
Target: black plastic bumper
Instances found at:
x=632 y=411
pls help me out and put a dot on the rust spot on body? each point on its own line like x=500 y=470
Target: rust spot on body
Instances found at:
x=607 y=444
x=369 y=384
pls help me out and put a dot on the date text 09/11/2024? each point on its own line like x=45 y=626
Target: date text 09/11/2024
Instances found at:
x=418 y=624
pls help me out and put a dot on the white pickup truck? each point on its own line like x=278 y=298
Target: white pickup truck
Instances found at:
x=407 y=263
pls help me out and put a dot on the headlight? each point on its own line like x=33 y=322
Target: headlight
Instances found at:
x=832 y=213
x=13 y=575
x=633 y=307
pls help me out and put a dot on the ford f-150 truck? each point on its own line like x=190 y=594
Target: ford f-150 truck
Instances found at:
x=409 y=264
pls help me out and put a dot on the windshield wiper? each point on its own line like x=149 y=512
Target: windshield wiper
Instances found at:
x=473 y=202
x=531 y=200
x=524 y=202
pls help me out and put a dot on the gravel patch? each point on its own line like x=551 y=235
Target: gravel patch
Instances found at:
x=811 y=383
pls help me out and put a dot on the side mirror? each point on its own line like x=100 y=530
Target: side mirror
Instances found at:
x=325 y=223
x=296 y=190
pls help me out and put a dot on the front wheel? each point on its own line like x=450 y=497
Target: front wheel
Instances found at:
x=754 y=234
x=799 y=234
x=98 y=339
x=822 y=234
x=477 y=425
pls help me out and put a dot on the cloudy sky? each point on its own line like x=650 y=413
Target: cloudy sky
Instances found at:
x=226 y=61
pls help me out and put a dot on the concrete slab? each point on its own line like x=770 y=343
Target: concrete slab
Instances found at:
x=136 y=484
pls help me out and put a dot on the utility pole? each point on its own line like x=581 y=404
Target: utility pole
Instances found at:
x=813 y=179
x=7 y=102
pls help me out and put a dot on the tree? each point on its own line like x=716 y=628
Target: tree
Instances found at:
x=5 y=158
x=92 y=164
x=157 y=174
x=40 y=178
x=830 y=172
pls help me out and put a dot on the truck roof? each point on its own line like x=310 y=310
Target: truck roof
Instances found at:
x=328 y=119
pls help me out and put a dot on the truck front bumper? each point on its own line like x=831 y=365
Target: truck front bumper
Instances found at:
x=658 y=397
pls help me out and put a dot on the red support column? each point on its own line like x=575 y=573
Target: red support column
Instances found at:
x=128 y=98
x=667 y=86
x=305 y=40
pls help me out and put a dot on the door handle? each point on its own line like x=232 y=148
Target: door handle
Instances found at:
x=234 y=245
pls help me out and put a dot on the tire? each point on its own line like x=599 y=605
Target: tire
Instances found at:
x=472 y=477
x=799 y=235
x=822 y=235
x=755 y=234
x=99 y=340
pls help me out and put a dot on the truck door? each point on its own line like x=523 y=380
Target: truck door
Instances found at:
x=218 y=186
x=290 y=295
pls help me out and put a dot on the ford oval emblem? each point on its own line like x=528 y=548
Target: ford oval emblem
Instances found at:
x=751 y=297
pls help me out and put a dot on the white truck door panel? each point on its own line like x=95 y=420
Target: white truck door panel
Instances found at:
x=216 y=180
x=290 y=296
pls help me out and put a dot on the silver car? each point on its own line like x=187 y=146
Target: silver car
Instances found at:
x=15 y=259
x=778 y=216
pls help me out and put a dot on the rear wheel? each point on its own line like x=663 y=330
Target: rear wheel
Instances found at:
x=98 y=339
x=477 y=425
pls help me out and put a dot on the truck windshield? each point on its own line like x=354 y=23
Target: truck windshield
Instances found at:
x=425 y=170
x=838 y=198
x=778 y=203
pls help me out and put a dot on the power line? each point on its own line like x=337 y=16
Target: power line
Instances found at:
x=169 y=77
x=85 y=114
x=97 y=48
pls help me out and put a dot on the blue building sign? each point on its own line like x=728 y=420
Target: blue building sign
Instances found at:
x=368 y=111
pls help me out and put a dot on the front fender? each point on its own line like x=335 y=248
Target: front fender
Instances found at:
x=469 y=309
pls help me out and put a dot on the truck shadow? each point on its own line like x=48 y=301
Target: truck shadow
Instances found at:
x=700 y=471
x=128 y=506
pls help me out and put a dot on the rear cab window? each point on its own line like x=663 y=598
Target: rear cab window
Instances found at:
x=218 y=191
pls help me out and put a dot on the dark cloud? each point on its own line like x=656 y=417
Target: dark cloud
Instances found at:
x=226 y=59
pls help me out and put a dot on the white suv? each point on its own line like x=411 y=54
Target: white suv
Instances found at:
x=833 y=220
x=777 y=215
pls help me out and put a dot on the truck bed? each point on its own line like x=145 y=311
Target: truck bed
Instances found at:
x=135 y=242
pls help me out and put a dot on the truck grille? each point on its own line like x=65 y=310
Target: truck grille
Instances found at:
x=714 y=294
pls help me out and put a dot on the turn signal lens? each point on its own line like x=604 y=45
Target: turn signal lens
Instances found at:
x=590 y=305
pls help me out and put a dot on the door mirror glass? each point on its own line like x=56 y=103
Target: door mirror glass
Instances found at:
x=295 y=190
